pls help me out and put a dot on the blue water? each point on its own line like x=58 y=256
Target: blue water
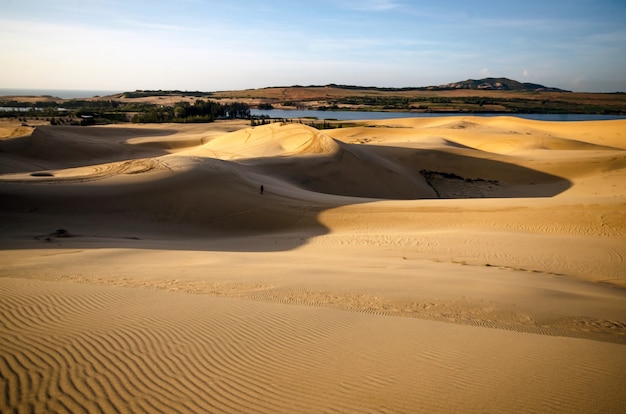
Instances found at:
x=363 y=115
x=59 y=93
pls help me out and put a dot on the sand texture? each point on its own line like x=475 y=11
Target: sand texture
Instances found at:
x=453 y=264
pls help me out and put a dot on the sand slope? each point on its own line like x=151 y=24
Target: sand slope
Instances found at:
x=442 y=264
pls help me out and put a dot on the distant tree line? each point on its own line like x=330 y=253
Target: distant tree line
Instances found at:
x=89 y=112
x=200 y=111
x=471 y=104
x=150 y=93
x=258 y=120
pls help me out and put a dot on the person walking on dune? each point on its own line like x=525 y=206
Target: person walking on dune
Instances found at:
x=262 y=189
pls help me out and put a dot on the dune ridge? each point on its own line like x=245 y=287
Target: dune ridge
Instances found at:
x=434 y=264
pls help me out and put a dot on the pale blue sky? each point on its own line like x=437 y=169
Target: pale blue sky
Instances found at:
x=236 y=44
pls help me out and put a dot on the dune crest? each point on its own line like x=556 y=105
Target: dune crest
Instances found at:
x=272 y=140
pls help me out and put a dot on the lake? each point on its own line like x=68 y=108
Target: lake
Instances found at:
x=364 y=115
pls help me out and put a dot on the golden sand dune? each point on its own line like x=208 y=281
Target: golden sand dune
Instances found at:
x=441 y=264
x=272 y=141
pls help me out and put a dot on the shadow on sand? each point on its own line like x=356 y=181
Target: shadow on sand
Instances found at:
x=215 y=204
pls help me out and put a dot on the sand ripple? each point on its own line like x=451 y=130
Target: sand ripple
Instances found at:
x=63 y=349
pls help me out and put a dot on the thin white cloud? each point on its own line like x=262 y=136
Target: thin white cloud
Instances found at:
x=372 y=5
x=331 y=44
x=517 y=23
x=157 y=26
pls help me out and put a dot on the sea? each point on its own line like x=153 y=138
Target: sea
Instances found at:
x=59 y=93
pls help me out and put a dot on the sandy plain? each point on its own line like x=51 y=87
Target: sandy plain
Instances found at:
x=454 y=264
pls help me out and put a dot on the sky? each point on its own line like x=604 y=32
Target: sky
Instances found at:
x=207 y=45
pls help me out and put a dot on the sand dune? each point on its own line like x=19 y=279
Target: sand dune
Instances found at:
x=436 y=264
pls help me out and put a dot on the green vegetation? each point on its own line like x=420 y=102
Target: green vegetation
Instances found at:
x=382 y=102
x=470 y=104
x=312 y=122
x=200 y=111
x=90 y=112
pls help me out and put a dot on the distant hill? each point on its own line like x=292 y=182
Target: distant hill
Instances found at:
x=487 y=84
x=496 y=84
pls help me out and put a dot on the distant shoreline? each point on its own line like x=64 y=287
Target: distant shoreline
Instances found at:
x=58 y=93
x=333 y=100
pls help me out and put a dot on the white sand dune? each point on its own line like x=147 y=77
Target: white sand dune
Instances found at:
x=443 y=264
